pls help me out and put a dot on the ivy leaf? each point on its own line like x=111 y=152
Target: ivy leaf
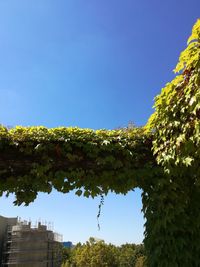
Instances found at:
x=188 y=161
x=78 y=192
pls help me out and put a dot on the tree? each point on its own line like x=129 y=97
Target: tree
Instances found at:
x=95 y=254
x=162 y=158
x=140 y=262
x=129 y=254
x=66 y=254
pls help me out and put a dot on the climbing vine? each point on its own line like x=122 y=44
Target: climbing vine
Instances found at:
x=176 y=121
x=171 y=204
x=34 y=159
x=162 y=158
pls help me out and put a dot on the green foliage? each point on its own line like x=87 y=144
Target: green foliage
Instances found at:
x=140 y=262
x=66 y=254
x=162 y=158
x=172 y=229
x=97 y=253
x=171 y=203
x=94 y=254
x=34 y=159
x=128 y=254
x=176 y=121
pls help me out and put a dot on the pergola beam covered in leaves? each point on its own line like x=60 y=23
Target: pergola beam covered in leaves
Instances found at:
x=34 y=159
x=162 y=158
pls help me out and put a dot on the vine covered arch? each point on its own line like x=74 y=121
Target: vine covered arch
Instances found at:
x=162 y=158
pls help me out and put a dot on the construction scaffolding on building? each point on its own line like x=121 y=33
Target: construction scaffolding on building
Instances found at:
x=25 y=245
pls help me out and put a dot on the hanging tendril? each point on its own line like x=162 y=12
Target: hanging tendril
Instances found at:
x=99 y=210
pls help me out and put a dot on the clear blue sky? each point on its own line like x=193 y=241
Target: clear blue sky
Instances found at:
x=92 y=64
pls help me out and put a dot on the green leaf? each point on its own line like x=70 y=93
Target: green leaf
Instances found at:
x=78 y=192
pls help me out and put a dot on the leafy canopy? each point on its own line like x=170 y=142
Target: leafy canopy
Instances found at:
x=34 y=159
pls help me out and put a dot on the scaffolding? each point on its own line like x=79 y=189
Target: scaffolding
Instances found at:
x=31 y=246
